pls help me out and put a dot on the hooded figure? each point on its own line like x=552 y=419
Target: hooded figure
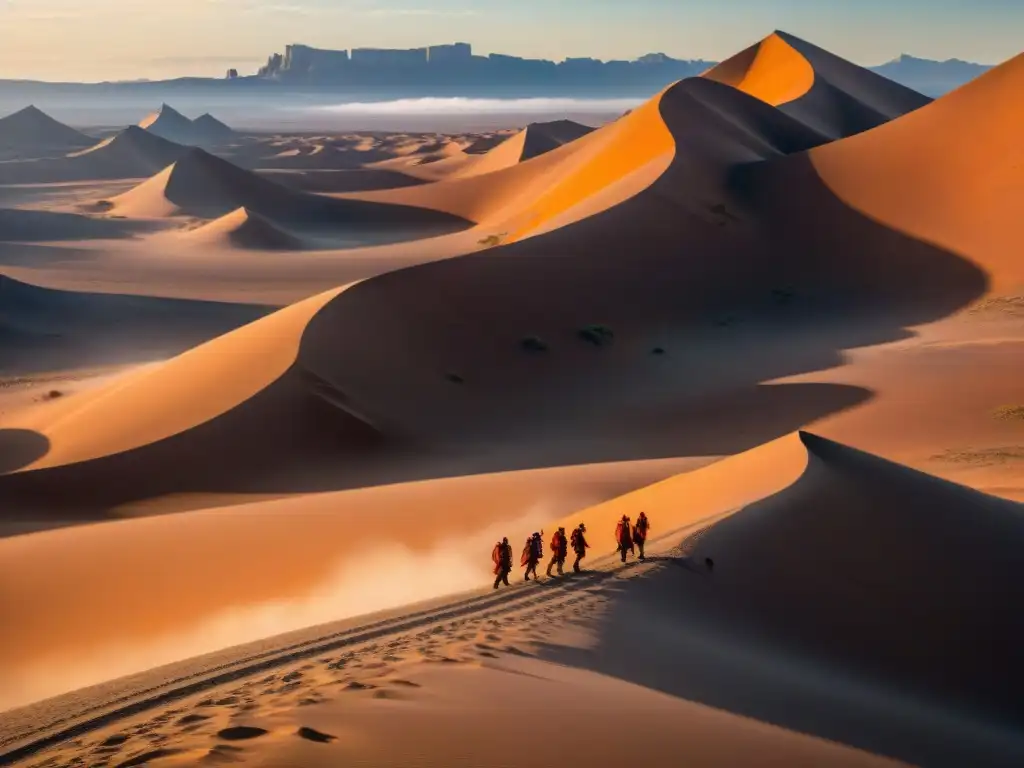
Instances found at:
x=624 y=537
x=502 y=557
x=579 y=544
x=532 y=553
x=559 y=551
x=640 y=530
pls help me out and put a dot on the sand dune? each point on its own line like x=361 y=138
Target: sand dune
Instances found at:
x=131 y=153
x=27 y=226
x=246 y=229
x=825 y=92
x=201 y=184
x=31 y=130
x=68 y=328
x=501 y=199
x=947 y=174
x=194 y=388
x=604 y=167
x=792 y=588
x=164 y=587
x=533 y=141
x=848 y=560
x=209 y=129
x=864 y=558
x=168 y=123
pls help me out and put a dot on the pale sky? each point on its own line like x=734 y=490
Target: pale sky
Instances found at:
x=88 y=40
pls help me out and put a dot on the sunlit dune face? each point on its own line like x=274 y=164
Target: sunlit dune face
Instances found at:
x=156 y=402
x=621 y=147
x=948 y=173
x=772 y=71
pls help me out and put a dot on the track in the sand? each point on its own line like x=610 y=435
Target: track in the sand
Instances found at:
x=39 y=731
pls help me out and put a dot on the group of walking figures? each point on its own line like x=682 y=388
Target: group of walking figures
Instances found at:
x=629 y=537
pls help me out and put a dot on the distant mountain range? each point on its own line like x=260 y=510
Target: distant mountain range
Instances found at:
x=455 y=70
x=456 y=64
x=932 y=78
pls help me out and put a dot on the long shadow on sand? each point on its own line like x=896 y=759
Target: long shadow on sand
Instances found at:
x=17 y=225
x=44 y=329
x=867 y=603
x=19 y=448
x=737 y=277
x=672 y=632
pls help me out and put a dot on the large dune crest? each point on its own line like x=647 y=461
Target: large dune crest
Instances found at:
x=827 y=93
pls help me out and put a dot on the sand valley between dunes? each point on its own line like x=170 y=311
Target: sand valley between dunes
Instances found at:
x=268 y=401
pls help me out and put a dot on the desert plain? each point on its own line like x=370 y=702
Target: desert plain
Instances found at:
x=268 y=401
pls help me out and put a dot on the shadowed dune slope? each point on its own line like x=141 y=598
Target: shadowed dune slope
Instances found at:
x=28 y=226
x=157 y=402
x=67 y=327
x=883 y=600
x=132 y=152
x=886 y=571
x=31 y=129
x=168 y=123
x=951 y=173
x=827 y=93
x=208 y=128
x=246 y=229
x=201 y=184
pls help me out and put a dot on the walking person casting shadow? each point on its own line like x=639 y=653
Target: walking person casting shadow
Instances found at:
x=559 y=551
x=624 y=537
x=579 y=546
x=640 y=530
x=502 y=557
x=532 y=553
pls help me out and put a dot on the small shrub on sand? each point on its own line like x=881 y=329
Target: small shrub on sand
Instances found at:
x=598 y=335
x=492 y=240
x=53 y=394
x=1009 y=413
x=534 y=344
